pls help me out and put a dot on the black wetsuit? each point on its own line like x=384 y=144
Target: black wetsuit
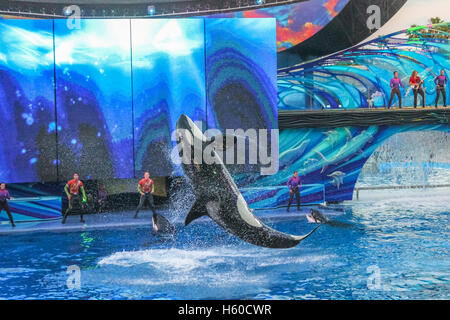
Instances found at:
x=419 y=91
x=395 y=91
x=296 y=192
x=441 y=82
x=74 y=204
x=146 y=197
x=294 y=184
x=440 y=90
x=4 y=195
x=4 y=206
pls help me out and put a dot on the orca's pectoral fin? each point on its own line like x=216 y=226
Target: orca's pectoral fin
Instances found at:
x=198 y=210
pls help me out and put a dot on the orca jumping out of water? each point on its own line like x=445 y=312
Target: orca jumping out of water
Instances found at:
x=218 y=197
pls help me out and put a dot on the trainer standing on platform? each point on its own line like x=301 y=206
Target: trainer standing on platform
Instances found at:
x=72 y=189
x=441 y=82
x=146 y=187
x=416 y=83
x=4 y=196
x=395 y=84
x=294 y=185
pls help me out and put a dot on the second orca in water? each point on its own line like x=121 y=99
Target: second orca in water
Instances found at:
x=317 y=217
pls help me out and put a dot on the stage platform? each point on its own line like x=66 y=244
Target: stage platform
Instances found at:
x=92 y=222
x=111 y=220
x=291 y=119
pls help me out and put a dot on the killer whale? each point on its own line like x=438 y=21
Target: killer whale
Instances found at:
x=317 y=217
x=163 y=226
x=217 y=195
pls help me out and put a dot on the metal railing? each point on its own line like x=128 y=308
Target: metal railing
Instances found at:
x=401 y=187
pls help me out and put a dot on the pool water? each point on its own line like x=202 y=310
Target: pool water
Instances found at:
x=396 y=248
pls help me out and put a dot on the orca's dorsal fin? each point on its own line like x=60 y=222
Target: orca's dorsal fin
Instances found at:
x=198 y=210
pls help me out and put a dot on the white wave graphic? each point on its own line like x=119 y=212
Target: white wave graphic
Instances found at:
x=25 y=49
x=97 y=42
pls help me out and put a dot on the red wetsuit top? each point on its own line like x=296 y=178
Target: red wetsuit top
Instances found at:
x=74 y=186
x=415 y=80
x=146 y=185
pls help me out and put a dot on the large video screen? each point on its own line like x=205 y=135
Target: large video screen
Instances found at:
x=241 y=70
x=101 y=97
x=27 y=107
x=93 y=98
x=168 y=80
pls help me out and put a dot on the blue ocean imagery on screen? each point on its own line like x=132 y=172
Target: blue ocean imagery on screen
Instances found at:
x=168 y=80
x=102 y=99
x=93 y=99
x=27 y=109
x=241 y=70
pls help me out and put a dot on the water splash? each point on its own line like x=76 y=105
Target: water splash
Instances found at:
x=409 y=158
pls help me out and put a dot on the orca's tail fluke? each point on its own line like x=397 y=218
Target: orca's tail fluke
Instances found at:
x=301 y=238
x=271 y=238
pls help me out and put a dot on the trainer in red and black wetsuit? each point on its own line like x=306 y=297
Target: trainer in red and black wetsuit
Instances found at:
x=146 y=187
x=4 y=196
x=72 y=189
x=416 y=83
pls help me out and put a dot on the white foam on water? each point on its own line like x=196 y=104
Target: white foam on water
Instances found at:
x=188 y=260
x=174 y=258
x=222 y=267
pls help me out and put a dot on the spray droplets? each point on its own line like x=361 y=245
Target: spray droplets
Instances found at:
x=28 y=117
